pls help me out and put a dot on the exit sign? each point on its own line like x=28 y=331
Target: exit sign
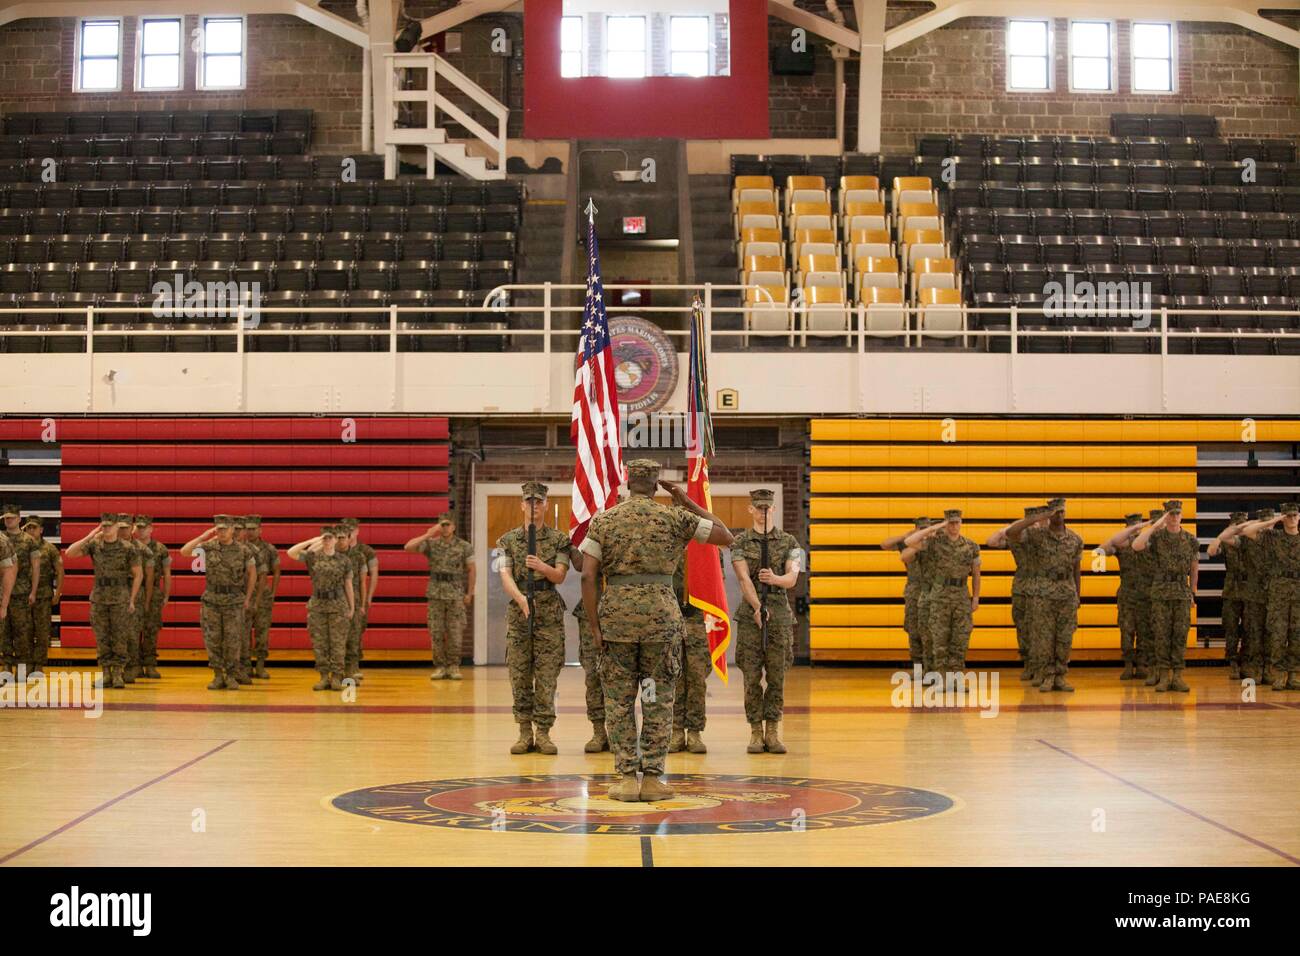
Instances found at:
x=633 y=225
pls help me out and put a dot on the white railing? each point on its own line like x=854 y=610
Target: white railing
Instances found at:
x=433 y=136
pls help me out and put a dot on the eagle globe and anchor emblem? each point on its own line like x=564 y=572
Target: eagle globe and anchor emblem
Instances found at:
x=645 y=364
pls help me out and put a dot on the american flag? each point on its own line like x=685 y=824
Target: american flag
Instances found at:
x=594 y=427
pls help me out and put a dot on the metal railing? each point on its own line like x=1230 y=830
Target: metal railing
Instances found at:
x=550 y=326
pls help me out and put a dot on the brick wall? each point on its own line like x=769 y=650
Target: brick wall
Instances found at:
x=954 y=79
x=291 y=64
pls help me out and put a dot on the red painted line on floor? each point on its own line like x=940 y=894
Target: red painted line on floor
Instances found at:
x=1177 y=806
x=104 y=806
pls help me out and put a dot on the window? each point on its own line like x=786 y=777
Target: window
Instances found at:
x=221 y=62
x=570 y=46
x=688 y=46
x=1090 y=56
x=99 y=53
x=1029 y=55
x=625 y=46
x=1153 y=57
x=159 y=46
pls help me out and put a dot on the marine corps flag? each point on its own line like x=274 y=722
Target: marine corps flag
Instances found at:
x=704 y=587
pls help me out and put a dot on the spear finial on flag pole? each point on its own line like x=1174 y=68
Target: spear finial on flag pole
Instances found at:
x=591 y=209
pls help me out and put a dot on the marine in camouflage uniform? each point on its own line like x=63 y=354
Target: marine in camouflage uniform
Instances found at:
x=118 y=577
x=1253 y=589
x=1017 y=549
x=1233 y=606
x=953 y=558
x=451 y=583
x=364 y=567
x=267 y=563
x=331 y=604
x=8 y=571
x=49 y=589
x=912 y=624
x=637 y=545
x=1282 y=552
x=589 y=658
x=764 y=707
x=157 y=564
x=689 y=698
x=534 y=660
x=17 y=629
x=1174 y=559
x=229 y=574
x=1130 y=597
x=369 y=561
x=1051 y=595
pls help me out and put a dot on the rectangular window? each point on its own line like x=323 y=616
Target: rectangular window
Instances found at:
x=221 y=64
x=688 y=44
x=159 y=52
x=1029 y=55
x=625 y=46
x=570 y=46
x=99 y=53
x=1090 y=56
x=1153 y=57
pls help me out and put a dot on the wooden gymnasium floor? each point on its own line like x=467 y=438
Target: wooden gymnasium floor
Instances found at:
x=1113 y=774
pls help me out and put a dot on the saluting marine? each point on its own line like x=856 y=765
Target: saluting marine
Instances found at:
x=1174 y=564
x=1051 y=593
x=1233 y=611
x=230 y=575
x=449 y=592
x=589 y=658
x=1281 y=551
x=17 y=629
x=637 y=622
x=1130 y=599
x=118 y=577
x=999 y=539
x=692 y=681
x=49 y=590
x=332 y=603
x=953 y=558
x=915 y=565
x=267 y=560
x=157 y=565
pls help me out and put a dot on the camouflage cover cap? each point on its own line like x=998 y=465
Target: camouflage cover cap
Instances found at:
x=762 y=497
x=643 y=469
x=535 y=489
x=952 y=514
x=1290 y=508
x=1133 y=518
x=1263 y=514
x=1056 y=503
x=12 y=509
x=1173 y=504
x=252 y=521
x=33 y=521
x=1237 y=517
x=223 y=521
x=1155 y=514
x=107 y=517
x=444 y=519
x=1031 y=510
x=922 y=522
x=329 y=531
x=124 y=520
x=143 y=521
x=350 y=523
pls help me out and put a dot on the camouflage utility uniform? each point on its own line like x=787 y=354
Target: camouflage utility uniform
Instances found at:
x=449 y=562
x=8 y=657
x=221 y=614
x=1282 y=552
x=756 y=663
x=949 y=625
x=268 y=563
x=1233 y=609
x=43 y=610
x=1051 y=600
x=1172 y=556
x=327 y=610
x=1132 y=607
x=152 y=555
x=692 y=681
x=115 y=562
x=17 y=628
x=535 y=662
x=639 y=543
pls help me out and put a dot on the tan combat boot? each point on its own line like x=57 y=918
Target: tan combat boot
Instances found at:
x=453 y=672
x=542 y=739
x=1162 y=684
x=218 y=680
x=1139 y=672
x=1127 y=672
x=130 y=674
x=1154 y=677
x=1047 y=683
x=1234 y=671
x=772 y=739
x=755 y=739
x=336 y=681
x=1026 y=673
x=1176 y=681
x=1060 y=683
x=678 y=742
x=323 y=683
x=694 y=744
x=1265 y=675
x=652 y=788
x=152 y=673
x=118 y=682
x=438 y=673
x=627 y=790
x=260 y=671
x=1294 y=682
x=525 y=741
x=599 y=740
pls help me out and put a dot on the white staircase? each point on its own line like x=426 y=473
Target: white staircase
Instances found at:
x=404 y=71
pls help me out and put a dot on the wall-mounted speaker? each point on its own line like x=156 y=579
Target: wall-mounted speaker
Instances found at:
x=786 y=62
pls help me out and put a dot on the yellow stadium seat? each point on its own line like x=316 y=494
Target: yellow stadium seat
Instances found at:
x=864 y=215
x=757 y=215
x=917 y=215
x=804 y=182
x=941 y=313
x=884 y=312
x=880 y=272
x=934 y=274
x=753 y=182
x=870 y=243
x=767 y=309
x=923 y=244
